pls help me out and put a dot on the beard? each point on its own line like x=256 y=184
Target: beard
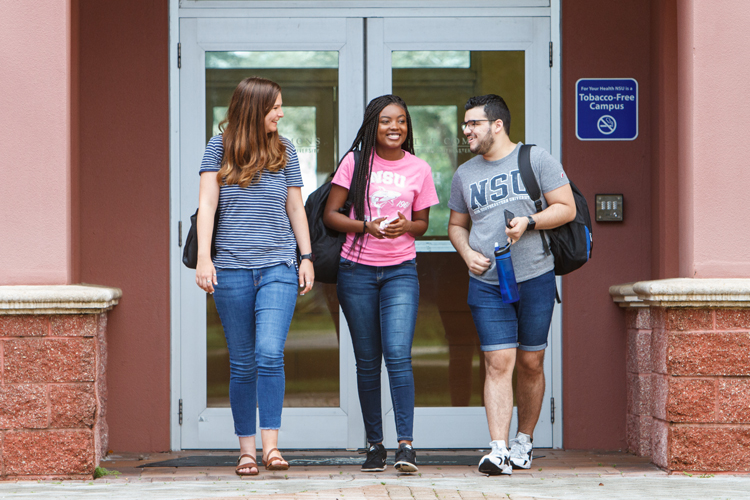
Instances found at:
x=483 y=145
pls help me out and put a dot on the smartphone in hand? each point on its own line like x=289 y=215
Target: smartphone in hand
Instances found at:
x=385 y=223
x=509 y=216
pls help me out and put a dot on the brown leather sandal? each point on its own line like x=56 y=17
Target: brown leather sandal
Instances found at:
x=247 y=465
x=273 y=463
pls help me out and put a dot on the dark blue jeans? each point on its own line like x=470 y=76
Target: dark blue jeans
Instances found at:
x=256 y=307
x=380 y=305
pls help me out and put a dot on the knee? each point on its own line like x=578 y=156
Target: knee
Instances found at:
x=368 y=368
x=531 y=365
x=397 y=356
x=243 y=369
x=499 y=364
x=270 y=360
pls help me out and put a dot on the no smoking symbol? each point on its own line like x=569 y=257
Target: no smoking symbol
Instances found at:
x=606 y=124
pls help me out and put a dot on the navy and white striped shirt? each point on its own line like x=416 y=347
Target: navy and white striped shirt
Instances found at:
x=254 y=229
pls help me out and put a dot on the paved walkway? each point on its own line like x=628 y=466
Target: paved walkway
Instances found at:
x=558 y=475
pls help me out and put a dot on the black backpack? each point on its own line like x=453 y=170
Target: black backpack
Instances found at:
x=571 y=243
x=326 y=243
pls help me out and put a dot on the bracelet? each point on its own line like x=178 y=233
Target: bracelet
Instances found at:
x=364 y=226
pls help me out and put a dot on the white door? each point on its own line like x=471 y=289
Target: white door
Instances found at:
x=328 y=69
x=318 y=63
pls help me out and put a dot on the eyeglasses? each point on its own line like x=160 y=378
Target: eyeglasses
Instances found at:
x=471 y=124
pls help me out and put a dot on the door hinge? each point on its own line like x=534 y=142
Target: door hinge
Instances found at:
x=179 y=234
x=551 y=410
x=550 y=54
x=179 y=55
x=180 y=411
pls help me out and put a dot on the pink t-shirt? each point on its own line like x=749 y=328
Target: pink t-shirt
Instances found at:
x=395 y=186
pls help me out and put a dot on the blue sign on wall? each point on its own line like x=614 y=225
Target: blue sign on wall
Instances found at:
x=607 y=109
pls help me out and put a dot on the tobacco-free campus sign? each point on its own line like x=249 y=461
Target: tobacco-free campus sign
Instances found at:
x=607 y=109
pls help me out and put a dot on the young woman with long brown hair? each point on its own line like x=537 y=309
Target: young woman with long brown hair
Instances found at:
x=252 y=174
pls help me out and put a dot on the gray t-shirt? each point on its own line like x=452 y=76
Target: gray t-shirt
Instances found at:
x=484 y=189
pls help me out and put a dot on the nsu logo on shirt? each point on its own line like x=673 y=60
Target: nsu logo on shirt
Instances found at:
x=498 y=190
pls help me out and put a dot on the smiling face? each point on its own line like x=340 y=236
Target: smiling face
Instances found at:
x=480 y=137
x=273 y=116
x=392 y=127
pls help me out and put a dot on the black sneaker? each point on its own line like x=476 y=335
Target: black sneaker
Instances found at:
x=406 y=458
x=375 y=459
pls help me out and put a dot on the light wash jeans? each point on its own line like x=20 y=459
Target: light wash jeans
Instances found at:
x=256 y=307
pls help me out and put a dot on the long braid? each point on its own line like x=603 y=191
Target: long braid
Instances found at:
x=366 y=141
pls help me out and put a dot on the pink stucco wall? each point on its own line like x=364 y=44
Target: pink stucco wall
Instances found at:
x=714 y=82
x=35 y=201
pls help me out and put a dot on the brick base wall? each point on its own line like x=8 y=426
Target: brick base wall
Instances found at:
x=689 y=387
x=53 y=395
x=53 y=390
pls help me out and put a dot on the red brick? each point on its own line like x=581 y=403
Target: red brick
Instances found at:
x=101 y=429
x=72 y=405
x=715 y=353
x=691 y=400
x=48 y=360
x=48 y=452
x=24 y=326
x=23 y=406
x=734 y=401
x=639 y=351
x=639 y=318
x=659 y=395
x=658 y=317
x=689 y=319
x=731 y=319
x=702 y=448
x=659 y=345
x=639 y=435
x=639 y=394
x=74 y=325
x=660 y=443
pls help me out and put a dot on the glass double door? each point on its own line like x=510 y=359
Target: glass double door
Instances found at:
x=328 y=69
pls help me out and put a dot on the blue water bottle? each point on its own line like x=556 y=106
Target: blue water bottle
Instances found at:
x=505 y=274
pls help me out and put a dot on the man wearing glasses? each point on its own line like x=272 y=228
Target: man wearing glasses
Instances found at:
x=511 y=335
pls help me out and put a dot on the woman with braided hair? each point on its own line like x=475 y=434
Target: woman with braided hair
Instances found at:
x=377 y=281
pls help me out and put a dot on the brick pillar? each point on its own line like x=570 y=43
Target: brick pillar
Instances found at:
x=53 y=391
x=688 y=363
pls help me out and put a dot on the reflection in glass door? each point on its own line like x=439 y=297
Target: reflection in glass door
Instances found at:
x=309 y=82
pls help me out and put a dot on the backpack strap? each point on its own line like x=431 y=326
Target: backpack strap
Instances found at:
x=350 y=197
x=532 y=187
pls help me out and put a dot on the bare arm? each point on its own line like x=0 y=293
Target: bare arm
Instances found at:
x=561 y=209
x=458 y=232
x=295 y=209
x=341 y=222
x=208 y=200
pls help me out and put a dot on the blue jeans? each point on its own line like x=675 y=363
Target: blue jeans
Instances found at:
x=523 y=324
x=256 y=307
x=380 y=305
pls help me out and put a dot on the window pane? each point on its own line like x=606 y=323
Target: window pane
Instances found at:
x=431 y=59
x=308 y=83
x=448 y=365
x=277 y=59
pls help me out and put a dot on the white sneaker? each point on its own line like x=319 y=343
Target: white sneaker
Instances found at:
x=521 y=451
x=497 y=461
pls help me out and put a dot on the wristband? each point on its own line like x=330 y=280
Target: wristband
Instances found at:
x=364 y=226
